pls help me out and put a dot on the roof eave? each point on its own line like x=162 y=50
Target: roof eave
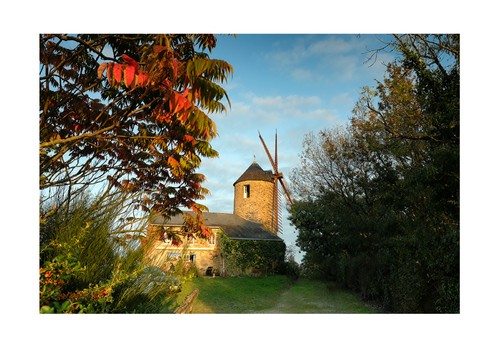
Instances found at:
x=236 y=238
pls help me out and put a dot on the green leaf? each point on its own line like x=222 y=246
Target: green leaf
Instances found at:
x=65 y=305
x=46 y=310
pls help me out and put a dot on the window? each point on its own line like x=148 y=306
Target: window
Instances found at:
x=191 y=258
x=246 y=191
x=167 y=238
x=190 y=239
x=211 y=240
x=173 y=255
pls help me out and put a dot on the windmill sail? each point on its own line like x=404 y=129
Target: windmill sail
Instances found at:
x=279 y=180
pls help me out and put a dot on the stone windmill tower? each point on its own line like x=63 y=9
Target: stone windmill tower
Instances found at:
x=253 y=195
x=257 y=192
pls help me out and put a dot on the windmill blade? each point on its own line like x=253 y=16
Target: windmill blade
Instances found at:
x=284 y=185
x=277 y=174
x=276 y=150
x=269 y=154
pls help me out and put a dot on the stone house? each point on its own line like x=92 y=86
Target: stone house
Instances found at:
x=251 y=220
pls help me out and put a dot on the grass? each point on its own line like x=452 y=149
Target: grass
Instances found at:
x=271 y=294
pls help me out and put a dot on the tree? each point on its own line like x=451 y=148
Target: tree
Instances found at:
x=392 y=182
x=415 y=114
x=128 y=116
x=130 y=112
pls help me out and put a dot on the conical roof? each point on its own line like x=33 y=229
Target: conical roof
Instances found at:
x=255 y=172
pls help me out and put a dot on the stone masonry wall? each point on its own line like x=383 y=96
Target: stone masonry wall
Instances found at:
x=205 y=254
x=258 y=207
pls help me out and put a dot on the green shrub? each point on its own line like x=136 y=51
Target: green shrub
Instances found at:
x=244 y=255
x=88 y=265
x=291 y=269
x=55 y=297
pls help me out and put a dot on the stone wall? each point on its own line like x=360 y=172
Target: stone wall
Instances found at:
x=259 y=205
x=204 y=254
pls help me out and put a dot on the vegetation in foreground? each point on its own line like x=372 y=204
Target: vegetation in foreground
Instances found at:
x=130 y=114
x=271 y=294
x=88 y=265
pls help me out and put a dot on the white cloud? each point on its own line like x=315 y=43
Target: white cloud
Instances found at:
x=301 y=74
x=290 y=101
x=343 y=100
x=336 y=45
x=309 y=46
x=327 y=58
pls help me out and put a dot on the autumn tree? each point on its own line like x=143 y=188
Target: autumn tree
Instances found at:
x=129 y=112
x=380 y=212
x=124 y=124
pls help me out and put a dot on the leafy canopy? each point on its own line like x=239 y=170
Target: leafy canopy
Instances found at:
x=380 y=199
x=131 y=112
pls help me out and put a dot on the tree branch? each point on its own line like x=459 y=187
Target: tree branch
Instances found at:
x=76 y=138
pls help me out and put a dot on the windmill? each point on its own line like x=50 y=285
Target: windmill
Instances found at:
x=279 y=180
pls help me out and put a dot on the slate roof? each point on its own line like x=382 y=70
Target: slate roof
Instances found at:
x=255 y=172
x=234 y=226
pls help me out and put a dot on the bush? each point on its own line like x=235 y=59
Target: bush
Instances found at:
x=291 y=269
x=56 y=275
x=244 y=255
x=87 y=265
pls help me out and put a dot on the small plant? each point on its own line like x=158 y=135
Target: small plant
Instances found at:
x=55 y=296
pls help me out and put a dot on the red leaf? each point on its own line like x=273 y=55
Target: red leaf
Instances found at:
x=130 y=61
x=117 y=72
x=142 y=79
x=126 y=184
x=129 y=75
x=110 y=73
x=175 y=68
x=167 y=83
x=158 y=49
x=179 y=103
x=205 y=231
x=101 y=69
x=172 y=162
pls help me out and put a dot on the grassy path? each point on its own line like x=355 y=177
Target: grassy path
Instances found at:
x=315 y=297
x=273 y=294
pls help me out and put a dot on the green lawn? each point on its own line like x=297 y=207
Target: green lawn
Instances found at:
x=271 y=294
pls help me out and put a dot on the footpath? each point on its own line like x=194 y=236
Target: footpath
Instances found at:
x=315 y=297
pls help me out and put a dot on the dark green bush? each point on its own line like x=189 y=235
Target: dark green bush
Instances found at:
x=291 y=269
x=244 y=255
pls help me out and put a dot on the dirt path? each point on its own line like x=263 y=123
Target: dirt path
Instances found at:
x=305 y=297
x=290 y=302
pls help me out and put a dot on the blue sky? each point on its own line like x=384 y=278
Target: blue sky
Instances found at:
x=293 y=84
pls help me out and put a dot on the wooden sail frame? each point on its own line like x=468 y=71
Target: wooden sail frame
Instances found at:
x=279 y=180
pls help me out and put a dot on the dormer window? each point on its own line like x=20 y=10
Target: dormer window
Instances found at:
x=190 y=239
x=246 y=191
x=166 y=237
